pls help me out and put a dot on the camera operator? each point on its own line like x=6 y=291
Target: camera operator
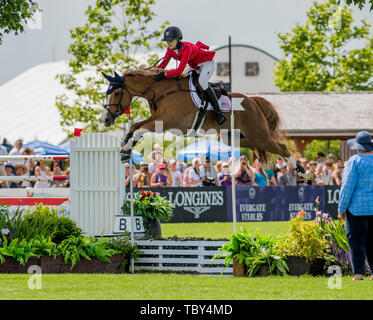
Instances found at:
x=244 y=175
x=142 y=179
x=210 y=174
x=160 y=179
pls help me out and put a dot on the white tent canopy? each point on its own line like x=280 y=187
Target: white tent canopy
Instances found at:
x=28 y=103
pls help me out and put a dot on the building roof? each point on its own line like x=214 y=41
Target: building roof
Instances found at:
x=246 y=46
x=320 y=115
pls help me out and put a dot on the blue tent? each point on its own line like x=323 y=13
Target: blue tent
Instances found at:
x=137 y=157
x=44 y=148
x=66 y=146
x=213 y=149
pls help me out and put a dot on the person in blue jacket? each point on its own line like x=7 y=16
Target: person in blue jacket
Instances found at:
x=356 y=203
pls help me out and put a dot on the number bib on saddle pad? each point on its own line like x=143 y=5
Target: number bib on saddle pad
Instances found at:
x=224 y=101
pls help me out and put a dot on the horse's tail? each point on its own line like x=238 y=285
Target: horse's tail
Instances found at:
x=274 y=124
x=273 y=118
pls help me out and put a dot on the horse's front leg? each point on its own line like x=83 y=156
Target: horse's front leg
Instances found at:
x=132 y=137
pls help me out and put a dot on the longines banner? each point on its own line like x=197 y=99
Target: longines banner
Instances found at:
x=281 y=203
x=332 y=200
x=198 y=204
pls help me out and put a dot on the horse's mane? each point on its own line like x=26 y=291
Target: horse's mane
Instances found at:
x=143 y=72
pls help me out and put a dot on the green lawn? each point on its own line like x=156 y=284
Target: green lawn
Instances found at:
x=221 y=230
x=180 y=287
x=153 y=286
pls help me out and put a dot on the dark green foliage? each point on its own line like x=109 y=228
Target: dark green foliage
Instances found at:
x=113 y=32
x=317 y=56
x=43 y=221
x=255 y=251
x=14 y=14
x=360 y=3
x=122 y=244
x=66 y=228
x=73 y=248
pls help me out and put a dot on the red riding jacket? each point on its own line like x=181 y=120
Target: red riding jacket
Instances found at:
x=192 y=54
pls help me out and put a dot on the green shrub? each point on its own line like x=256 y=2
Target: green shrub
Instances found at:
x=73 y=248
x=255 y=251
x=42 y=221
x=20 y=250
x=303 y=240
x=122 y=244
x=66 y=228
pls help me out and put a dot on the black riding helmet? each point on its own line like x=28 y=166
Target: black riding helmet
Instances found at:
x=172 y=33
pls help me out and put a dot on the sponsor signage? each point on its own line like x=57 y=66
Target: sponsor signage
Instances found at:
x=279 y=203
x=291 y=199
x=331 y=197
x=252 y=204
x=194 y=204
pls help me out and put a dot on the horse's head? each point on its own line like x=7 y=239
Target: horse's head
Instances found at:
x=118 y=99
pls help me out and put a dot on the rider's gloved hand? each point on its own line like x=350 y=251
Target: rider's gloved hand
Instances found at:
x=160 y=76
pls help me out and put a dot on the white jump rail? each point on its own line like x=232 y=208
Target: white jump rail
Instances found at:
x=34 y=178
x=191 y=256
x=34 y=157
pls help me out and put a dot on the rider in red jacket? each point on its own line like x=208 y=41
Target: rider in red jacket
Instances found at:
x=197 y=57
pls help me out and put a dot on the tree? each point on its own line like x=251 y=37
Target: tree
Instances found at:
x=317 y=56
x=13 y=13
x=114 y=32
x=360 y=3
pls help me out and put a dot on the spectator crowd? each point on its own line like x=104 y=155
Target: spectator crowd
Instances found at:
x=324 y=170
x=158 y=172
x=30 y=168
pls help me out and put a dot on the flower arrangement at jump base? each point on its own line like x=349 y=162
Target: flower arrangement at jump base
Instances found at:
x=253 y=254
x=308 y=247
x=153 y=208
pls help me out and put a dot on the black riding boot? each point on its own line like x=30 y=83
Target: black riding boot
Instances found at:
x=210 y=95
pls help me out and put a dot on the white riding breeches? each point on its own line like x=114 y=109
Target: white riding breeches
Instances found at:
x=205 y=73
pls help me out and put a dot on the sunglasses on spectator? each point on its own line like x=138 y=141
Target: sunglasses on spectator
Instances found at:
x=328 y=164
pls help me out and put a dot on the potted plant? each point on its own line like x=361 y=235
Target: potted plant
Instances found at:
x=306 y=251
x=253 y=255
x=153 y=208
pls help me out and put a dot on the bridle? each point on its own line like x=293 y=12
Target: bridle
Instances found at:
x=120 y=108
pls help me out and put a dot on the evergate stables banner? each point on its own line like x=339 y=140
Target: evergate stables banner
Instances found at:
x=281 y=203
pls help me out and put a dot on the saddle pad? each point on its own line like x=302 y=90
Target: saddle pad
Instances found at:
x=224 y=101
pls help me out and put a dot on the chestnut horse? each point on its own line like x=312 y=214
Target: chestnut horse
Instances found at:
x=170 y=102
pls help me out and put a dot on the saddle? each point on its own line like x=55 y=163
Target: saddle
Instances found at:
x=220 y=90
x=219 y=87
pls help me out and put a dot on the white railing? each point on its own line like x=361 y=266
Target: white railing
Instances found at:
x=33 y=157
x=190 y=256
x=33 y=178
